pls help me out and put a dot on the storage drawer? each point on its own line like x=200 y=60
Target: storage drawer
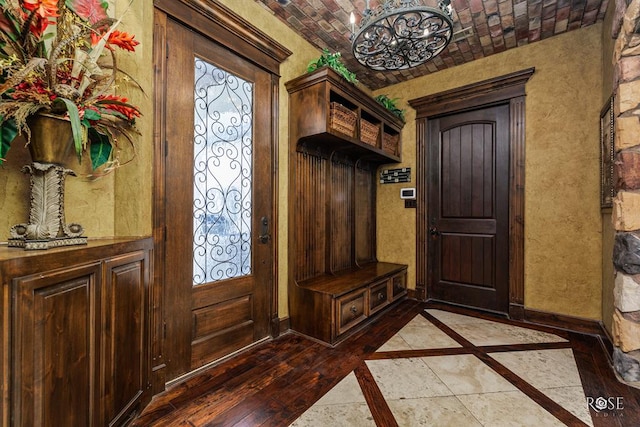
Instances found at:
x=398 y=285
x=350 y=310
x=379 y=296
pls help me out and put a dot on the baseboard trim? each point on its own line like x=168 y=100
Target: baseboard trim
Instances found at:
x=414 y=294
x=561 y=321
x=284 y=325
x=516 y=311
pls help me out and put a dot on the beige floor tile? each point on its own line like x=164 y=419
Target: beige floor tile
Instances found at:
x=494 y=333
x=406 y=379
x=350 y=414
x=486 y=332
x=432 y=411
x=420 y=334
x=451 y=319
x=542 y=368
x=466 y=374
x=508 y=408
x=573 y=400
x=395 y=343
x=346 y=391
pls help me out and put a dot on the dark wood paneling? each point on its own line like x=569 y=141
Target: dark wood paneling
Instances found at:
x=468 y=259
x=516 y=204
x=79 y=321
x=126 y=347
x=310 y=211
x=214 y=318
x=341 y=199
x=56 y=358
x=365 y=218
x=212 y=347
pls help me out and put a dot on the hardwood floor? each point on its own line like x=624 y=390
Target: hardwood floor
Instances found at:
x=274 y=383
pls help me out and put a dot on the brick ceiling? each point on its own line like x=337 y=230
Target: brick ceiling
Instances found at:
x=497 y=25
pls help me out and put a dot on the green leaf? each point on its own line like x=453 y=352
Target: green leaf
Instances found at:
x=76 y=126
x=100 y=149
x=8 y=132
x=90 y=114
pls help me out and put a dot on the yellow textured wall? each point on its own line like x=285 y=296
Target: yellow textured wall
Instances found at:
x=295 y=65
x=563 y=268
x=608 y=232
x=133 y=184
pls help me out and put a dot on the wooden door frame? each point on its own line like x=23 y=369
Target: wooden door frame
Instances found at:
x=225 y=27
x=510 y=89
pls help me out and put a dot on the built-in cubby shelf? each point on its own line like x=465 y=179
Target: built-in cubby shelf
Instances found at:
x=337 y=141
x=311 y=97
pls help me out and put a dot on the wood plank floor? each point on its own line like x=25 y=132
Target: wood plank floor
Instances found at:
x=275 y=382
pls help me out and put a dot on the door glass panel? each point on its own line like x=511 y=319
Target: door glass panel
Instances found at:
x=222 y=174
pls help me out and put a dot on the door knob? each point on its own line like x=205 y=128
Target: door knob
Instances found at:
x=434 y=231
x=264 y=236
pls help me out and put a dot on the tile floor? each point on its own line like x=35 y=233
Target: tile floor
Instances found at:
x=426 y=378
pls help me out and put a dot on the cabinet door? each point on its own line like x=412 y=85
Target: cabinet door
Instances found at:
x=55 y=351
x=124 y=343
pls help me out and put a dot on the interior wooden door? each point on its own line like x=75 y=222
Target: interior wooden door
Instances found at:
x=468 y=208
x=218 y=203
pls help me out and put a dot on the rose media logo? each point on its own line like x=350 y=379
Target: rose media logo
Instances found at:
x=606 y=406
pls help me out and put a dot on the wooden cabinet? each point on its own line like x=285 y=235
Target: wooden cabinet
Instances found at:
x=75 y=334
x=339 y=135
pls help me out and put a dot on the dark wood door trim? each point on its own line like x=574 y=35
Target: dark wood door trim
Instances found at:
x=509 y=89
x=223 y=26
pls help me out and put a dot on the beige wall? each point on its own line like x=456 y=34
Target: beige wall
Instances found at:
x=563 y=268
x=608 y=231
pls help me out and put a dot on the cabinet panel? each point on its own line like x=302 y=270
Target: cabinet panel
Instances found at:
x=55 y=356
x=125 y=346
x=75 y=343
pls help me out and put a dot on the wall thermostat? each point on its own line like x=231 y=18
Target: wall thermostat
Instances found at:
x=407 y=193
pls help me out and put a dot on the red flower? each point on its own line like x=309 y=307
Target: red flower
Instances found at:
x=123 y=40
x=118 y=104
x=45 y=12
x=43 y=8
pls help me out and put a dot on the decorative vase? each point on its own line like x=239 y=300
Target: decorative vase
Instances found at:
x=50 y=146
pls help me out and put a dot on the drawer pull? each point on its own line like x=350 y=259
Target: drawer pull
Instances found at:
x=381 y=296
x=353 y=309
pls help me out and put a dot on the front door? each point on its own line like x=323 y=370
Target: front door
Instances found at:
x=468 y=208
x=219 y=201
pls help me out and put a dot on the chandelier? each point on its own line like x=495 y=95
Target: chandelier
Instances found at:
x=401 y=34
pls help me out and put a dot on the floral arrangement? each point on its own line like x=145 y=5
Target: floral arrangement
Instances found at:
x=58 y=57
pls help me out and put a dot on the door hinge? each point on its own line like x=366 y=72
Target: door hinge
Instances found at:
x=165 y=233
x=166 y=148
x=164 y=330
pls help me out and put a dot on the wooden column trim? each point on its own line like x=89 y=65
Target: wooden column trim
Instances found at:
x=516 y=206
x=509 y=88
x=422 y=275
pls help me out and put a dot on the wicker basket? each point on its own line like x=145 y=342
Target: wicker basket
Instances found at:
x=390 y=143
x=369 y=132
x=342 y=119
